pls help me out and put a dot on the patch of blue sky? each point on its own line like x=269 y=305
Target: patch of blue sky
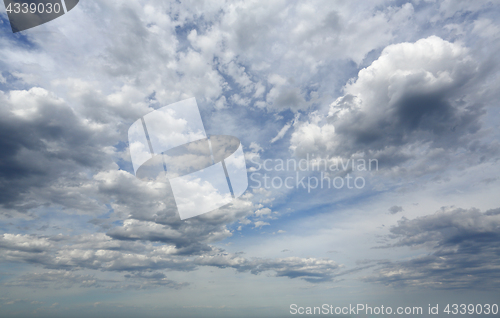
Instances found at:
x=20 y=38
x=298 y=206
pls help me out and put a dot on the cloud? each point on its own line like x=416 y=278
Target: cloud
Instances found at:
x=140 y=260
x=45 y=143
x=395 y=209
x=260 y=224
x=463 y=248
x=406 y=94
x=25 y=248
x=312 y=137
x=24 y=243
x=251 y=43
x=64 y=118
x=413 y=101
x=285 y=128
x=281 y=133
x=149 y=280
x=58 y=279
x=309 y=269
x=149 y=213
x=97 y=251
x=262 y=212
x=284 y=94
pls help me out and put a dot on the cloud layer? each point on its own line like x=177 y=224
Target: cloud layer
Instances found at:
x=463 y=248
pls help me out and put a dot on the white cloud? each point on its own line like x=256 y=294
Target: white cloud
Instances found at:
x=262 y=212
x=410 y=101
x=285 y=128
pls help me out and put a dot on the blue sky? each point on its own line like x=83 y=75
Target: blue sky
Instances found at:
x=412 y=85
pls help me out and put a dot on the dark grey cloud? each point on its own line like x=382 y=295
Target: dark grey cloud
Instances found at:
x=426 y=118
x=461 y=248
x=45 y=146
x=395 y=209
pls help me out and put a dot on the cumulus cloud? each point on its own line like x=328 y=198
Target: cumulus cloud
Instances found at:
x=407 y=94
x=413 y=101
x=263 y=212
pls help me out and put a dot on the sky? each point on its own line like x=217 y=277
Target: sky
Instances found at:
x=371 y=141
